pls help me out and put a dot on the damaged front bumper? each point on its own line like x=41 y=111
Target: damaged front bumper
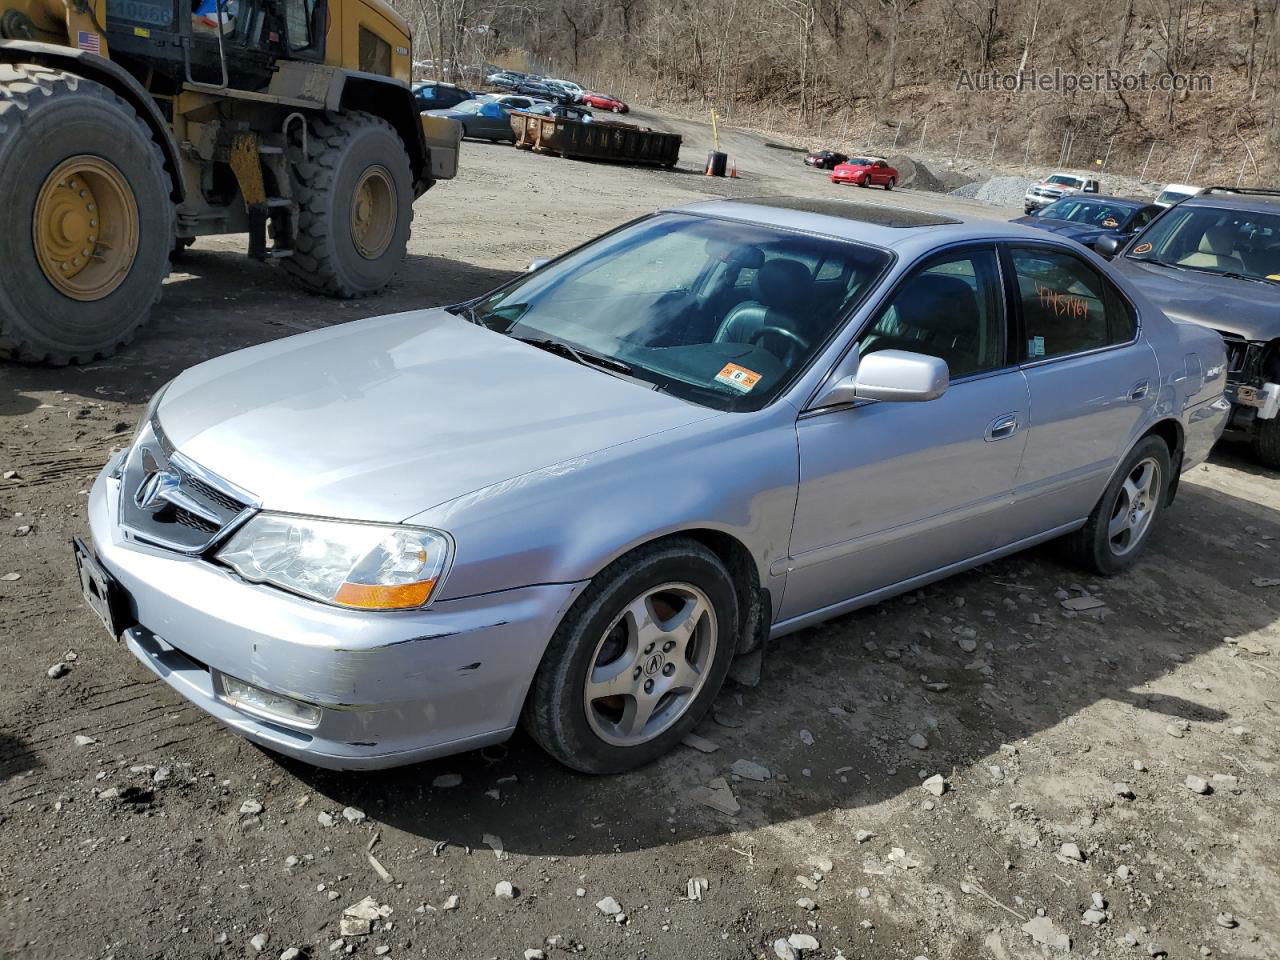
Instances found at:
x=391 y=688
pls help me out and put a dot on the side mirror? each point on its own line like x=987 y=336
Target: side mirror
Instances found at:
x=890 y=376
x=537 y=264
x=1108 y=246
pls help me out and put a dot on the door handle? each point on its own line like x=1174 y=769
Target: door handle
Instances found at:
x=1002 y=426
x=1139 y=390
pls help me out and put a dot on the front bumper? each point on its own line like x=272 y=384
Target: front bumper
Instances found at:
x=393 y=688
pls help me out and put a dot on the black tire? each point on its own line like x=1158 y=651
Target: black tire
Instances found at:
x=555 y=714
x=1266 y=442
x=48 y=116
x=1091 y=546
x=342 y=147
x=888 y=184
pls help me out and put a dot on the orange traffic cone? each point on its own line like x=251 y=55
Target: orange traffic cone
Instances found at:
x=709 y=165
x=733 y=169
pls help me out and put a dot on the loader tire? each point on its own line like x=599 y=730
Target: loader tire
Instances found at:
x=355 y=197
x=81 y=171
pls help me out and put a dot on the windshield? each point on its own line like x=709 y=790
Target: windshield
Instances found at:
x=469 y=106
x=860 y=161
x=1061 y=181
x=720 y=313
x=1106 y=215
x=1214 y=240
x=1173 y=196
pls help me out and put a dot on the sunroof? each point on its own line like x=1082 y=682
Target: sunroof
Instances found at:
x=879 y=214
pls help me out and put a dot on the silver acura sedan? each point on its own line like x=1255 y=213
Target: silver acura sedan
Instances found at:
x=570 y=503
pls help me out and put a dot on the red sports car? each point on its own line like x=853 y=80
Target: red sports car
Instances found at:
x=602 y=101
x=866 y=172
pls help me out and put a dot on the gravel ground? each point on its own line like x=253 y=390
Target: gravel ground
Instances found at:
x=1014 y=762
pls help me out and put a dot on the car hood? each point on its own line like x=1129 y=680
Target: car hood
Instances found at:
x=381 y=419
x=1065 y=228
x=1249 y=310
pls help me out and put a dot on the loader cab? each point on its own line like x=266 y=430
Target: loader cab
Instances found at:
x=216 y=43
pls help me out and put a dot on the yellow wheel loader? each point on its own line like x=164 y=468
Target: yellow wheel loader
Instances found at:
x=130 y=127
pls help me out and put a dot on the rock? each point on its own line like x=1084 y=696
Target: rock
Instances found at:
x=1071 y=851
x=966 y=638
x=1155 y=950
x=503 y=890
x=11 y=475
x=935 y=785
x=352 y=815
x=701 y=744
x=918 y=741
x=1124 y=871
x=381 y=950
x=1099 y=903
x=784 y=951
x=1094 y=917
x=10 y=577
x=450 y=902
x=1226 y=920
x=1043 y=931
x=1122 y=790
x=862 y=836
x=354 y=927
x=750 y=770
x=580 y=892
x=292 y=953
x=325 y=819
x=1082 y=603
x=161 y=775
x=864 y=893
x=718 y=796
x=494 y=843
x=1265 y=582
x=83 y=741
x=534 y=953
x=806 y=738
x=259 y=942
x=1139 y=766
x=1225 y=781
x=251 y=808
x=337 y=945
x=1197 y=785
x=726 y=719
x=822 y=864
x=609 y=907
x=802 y=941
x=807 y=882
x=1179 y=728
x=805 y=903
x=696 y=887
x=900 y=857
x=366 y=909
x=59 y=669
x=447 y=780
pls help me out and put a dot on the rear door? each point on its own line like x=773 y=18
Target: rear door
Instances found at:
x=1093 y=383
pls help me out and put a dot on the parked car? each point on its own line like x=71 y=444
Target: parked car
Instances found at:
x=1214 y=259
x=440 y=96
x=504 y=80
x=569 y=87
x=1176 y=193
x=865 y=172
x=1055 y=186
x=562 y=111
x=1086 y=219
x=569 y=503
x=602 y=101
x=513 y=101
x=824 y=159
x=481 y=119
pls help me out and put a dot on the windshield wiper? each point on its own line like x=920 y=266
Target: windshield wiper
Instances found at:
x=578 y=354
x=467 y=311
x=1229 y=274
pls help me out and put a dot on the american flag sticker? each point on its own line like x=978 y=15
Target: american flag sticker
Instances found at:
x=89 y=42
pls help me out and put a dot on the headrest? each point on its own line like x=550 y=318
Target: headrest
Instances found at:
x=1219 y=240
x=938 y=303
x=779 y=283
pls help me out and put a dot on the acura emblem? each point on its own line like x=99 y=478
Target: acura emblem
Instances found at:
x=151 y=494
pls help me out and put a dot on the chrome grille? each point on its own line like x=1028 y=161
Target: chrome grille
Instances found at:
x=169 y=501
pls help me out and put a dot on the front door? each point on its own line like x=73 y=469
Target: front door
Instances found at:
x=891 y=491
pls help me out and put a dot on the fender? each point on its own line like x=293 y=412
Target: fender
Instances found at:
x=392 y=100
x=113 y=77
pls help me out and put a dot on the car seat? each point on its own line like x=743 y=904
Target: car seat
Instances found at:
x=937 y=315
x=781 y=297
x=1217 y=251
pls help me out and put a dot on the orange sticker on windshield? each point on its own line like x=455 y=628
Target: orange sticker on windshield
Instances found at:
x=1142 y=248
x=1111 y=222
x=740 y=378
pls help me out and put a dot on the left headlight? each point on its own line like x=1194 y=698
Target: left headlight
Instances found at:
x=364 y=566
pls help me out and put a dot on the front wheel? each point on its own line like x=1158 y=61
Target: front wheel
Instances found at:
x=888 y=184
x=1266 y=442
x=1120 y=525
x=638 y=659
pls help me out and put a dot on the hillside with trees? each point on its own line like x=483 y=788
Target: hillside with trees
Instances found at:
x=927 y=75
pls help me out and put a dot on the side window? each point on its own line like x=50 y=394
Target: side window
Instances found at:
x=1067 y=306
x=950 y=309
x=1143 y=217
x=374 y=53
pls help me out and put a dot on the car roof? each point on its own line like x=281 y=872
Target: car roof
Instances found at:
x=1249 y=199
x=878 y=224
x=1133 y=202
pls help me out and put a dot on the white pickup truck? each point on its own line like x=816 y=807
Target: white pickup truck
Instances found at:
x=1053 y=187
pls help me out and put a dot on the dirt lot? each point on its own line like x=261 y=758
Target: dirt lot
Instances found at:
x=1064 y=738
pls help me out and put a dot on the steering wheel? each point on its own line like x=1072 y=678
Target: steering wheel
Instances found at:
x=794 y=342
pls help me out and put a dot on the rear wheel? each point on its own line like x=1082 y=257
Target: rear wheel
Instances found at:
x=85 y=244
x=888 y=184
x=1266 y=442
x=638 y=659
x=1120 y=525
x=355 y=194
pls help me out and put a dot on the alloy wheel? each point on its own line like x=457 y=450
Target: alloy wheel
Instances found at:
x=650 y=664
x=1135 y=507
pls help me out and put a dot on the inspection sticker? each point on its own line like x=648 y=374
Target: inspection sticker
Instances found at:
x=1142 y=248
x=740 y=378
